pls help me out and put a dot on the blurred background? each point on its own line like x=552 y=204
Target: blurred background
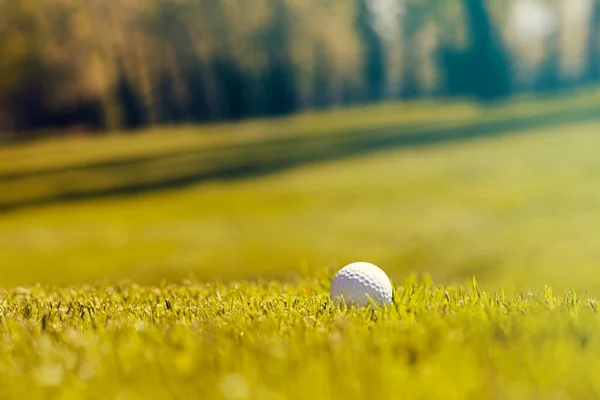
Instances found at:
x=171 y=139
x=97 y=65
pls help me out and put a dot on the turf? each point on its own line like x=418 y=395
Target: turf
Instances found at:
x=518 y=212
x=218 y=289
x=74 y=168
x=287 y=341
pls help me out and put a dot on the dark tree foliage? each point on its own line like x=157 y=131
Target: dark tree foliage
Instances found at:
x=549 y=74
x=31 y=111
x=27 y=103
x=279 y=89
x=487 y=61
x=85 y=113
x=321 y=87
x=279 y=75
x=350 y=93
x=451 y=63
x=410 y=88
x=483 y=69
x=198 y=107
x=133 y=111
x=374 y=60
x=205 y=61
x=170 y=109
x=593 y=61
x=233 y=86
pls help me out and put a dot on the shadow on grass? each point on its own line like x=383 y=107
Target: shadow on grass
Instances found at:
x=255 y=159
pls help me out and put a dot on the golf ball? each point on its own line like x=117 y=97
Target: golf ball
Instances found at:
x=357 y=280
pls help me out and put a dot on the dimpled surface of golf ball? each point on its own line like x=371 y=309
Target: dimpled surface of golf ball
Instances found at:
x=357 y=280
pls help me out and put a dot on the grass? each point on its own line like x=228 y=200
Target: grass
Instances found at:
x=218 y=289
x=267 y=340
x=518 y=212
x=71 y=168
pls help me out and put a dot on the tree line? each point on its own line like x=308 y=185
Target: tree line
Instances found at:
x=132 y=63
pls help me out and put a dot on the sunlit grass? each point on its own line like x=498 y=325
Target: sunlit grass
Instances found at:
x=82 y=149
x=274 y=341
x=220 y=290
x=517 y=211
x=77 y=149
x=54 y=169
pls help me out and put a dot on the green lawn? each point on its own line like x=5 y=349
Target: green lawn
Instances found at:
x=518 y=211
x=272 y=341
x=218 y=289
x=72 y=168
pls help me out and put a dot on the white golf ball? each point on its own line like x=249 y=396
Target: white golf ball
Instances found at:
x=357 y=280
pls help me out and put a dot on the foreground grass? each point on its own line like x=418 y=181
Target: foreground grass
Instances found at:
x=518 y=212
x=287 y=341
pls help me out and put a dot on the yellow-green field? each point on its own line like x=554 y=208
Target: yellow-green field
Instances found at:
x=517 y=211
x=272 y=341
x=216 y=286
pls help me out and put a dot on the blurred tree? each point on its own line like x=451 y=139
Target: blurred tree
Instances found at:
x=454 y=70
x=549 y=77
x=136 y=62
x=417 y=13
x=132 y=109
x=374 y=61
x=40 y=85
x=488 y=71
x=183 y=70
x=233 y=86
x=449 y=56
x=321 y=91
x=593 y=50
x=198 y=106
x=279 y=74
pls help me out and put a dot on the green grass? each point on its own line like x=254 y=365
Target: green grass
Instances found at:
x=73 y=150
x=275 y=341
x=219 y=289
x=518 y=211
x=57 y=169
